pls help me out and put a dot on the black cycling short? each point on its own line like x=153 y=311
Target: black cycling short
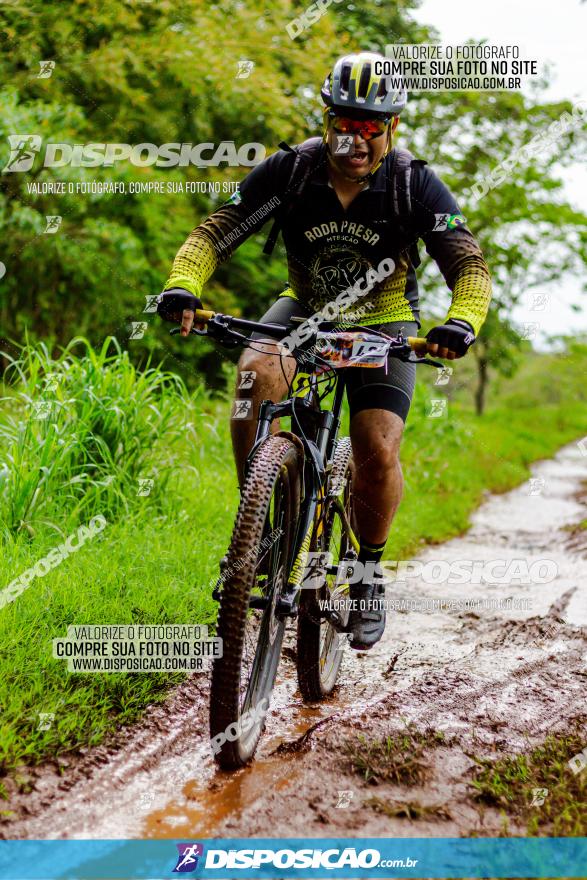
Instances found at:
x=367 y=387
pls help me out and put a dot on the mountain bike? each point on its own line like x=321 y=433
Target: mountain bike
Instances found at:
x=296 y=505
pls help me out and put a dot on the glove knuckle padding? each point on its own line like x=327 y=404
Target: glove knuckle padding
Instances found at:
x=175 y=301
x=452 y=336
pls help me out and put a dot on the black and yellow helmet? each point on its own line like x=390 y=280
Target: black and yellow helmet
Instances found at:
x=354 y=87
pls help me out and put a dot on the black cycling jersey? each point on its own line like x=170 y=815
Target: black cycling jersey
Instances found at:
x=330 y=249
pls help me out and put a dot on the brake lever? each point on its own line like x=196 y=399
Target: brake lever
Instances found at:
x=426 y=360
x=176 y=330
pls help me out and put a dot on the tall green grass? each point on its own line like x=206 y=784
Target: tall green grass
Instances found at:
x=110 y=426
x=79 y=432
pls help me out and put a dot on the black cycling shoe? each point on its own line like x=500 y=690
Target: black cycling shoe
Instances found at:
x=367 y=623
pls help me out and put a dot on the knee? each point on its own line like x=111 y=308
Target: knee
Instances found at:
x=258 y=368
x=380 y=464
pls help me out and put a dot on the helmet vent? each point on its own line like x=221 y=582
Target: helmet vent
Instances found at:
x=364 y=81
x=345 y=77
x=382 y=90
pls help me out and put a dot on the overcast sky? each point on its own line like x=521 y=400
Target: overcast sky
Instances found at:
x=548 y=32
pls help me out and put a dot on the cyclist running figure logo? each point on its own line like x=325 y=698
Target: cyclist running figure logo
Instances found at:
x=359 y=207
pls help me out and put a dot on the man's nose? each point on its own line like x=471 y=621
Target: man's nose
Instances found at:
x=359 y=142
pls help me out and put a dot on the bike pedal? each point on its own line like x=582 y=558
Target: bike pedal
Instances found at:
x=259 y=603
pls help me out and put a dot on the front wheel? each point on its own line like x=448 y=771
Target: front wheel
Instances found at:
x=255 y=573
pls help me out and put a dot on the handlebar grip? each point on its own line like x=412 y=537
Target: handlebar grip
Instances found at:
x=418 y=344
x=202 y=316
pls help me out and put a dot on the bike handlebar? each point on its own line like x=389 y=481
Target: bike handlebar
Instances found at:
x=203 y=316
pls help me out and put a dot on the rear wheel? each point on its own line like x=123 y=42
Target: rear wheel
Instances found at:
x=320 y=645
x=255 y=572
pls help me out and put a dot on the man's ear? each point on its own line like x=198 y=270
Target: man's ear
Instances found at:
x=394 y=124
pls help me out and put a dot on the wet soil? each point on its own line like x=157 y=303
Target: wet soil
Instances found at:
x=495 y=681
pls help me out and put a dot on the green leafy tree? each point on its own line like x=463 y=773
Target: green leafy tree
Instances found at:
x=530 y=235
x=160 y=73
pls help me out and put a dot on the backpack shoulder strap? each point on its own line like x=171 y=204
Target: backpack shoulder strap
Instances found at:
x=399 y=177
x=309 y=156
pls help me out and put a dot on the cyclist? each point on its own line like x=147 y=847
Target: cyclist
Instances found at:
x=354 y=213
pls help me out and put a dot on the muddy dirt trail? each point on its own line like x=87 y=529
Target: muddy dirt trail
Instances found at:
x=494 y=682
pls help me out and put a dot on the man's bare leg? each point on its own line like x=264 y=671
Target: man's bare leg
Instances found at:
x=377 y=490
x=378 y=482
x=269 y=383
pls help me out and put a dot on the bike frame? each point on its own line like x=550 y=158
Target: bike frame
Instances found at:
x=316 y=429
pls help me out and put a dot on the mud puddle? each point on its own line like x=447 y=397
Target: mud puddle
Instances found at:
x=493 y=679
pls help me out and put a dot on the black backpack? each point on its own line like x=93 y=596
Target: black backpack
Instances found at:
x=311 y=155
